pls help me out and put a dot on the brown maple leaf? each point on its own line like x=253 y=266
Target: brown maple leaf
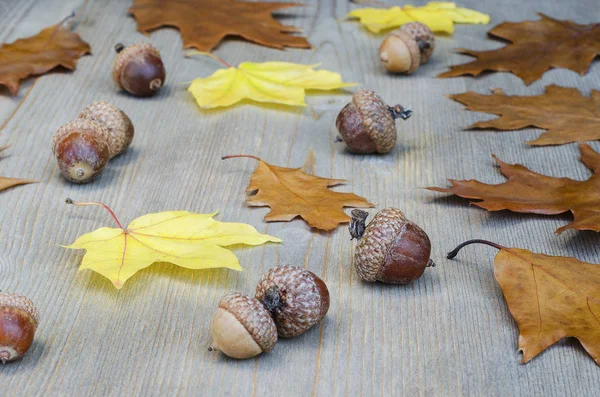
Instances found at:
x=205 y=23
x=53 y=46
x=530 y=192
x=292 y=192
x=534 y=48
x=6 y=183
x=568 y=115
x=550 y=298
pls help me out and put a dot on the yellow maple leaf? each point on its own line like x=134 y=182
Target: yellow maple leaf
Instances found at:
x=440 y=16
x=186 y=239
x=275 y=82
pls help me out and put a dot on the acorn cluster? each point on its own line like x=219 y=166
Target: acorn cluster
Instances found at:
x=288 y=302
x=82 y=147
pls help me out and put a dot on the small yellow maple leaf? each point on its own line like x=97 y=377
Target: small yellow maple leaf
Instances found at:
x=440 y=16
x=275 y=82
x=186 y=239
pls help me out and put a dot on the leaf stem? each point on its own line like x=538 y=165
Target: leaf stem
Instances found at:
x=209 y=54
x=234 y=156
x=452 y=254
x=112 y=214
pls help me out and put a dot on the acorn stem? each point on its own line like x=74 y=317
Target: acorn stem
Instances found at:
x=431 y=263
x=119 y=47
x=209 y=54
x=234 y=156
x=272 y=299
x=358 y=223
x=112 y=214
x=399 y=112
x=452 y=254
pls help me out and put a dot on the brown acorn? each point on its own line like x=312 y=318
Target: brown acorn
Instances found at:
x=390 y=249
x=138 y=69
x=367 y=124
x=296 y=298
x=18 y=322
x=116 y=121
x=242 y=328
x=81 y=149
x=404 y=49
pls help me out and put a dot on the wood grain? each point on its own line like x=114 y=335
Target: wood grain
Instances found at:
x=449 y=333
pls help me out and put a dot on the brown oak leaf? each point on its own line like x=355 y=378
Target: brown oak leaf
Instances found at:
x=550 y=298
x=534 y=48
x=292 y=192
x=205 y=23
x=6 y=183
x=530 y=192
x=568 y=115
x=53 y=46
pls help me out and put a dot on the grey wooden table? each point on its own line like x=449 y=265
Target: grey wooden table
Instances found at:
x=449 y=333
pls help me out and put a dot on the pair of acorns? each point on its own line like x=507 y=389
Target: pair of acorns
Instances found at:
x=289 y=300
x=367 y=124
x=83 y=146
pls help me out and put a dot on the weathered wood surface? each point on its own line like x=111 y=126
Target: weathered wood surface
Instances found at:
x=449 y=333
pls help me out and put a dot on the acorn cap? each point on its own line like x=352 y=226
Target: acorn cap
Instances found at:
x=252 y=315
x=424 y=37
x=399 y=52
x=20 y=302
x=116 y=121
x=390 y=238
x=304 y=296
x=376 y=118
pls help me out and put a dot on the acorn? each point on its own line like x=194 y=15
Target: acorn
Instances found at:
x=296 y=298
x=404 y=49
x=18 y=322
x=81 y=149
x=390 y=249
x=116 y=121
x=367 y=124
x=242 y=328
x=138 y=69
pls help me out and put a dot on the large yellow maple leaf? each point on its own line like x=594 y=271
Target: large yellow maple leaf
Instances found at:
x=186 y=239
x=440 y=16
x=275 y=82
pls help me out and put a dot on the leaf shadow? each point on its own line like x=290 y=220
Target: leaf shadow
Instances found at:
x=148 y=278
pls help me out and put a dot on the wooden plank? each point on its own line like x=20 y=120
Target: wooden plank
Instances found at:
x=449 y=333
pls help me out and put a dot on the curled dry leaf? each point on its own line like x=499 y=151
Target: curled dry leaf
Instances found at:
x=6 y=183
x=568 y=115
x=205 y=23
x=438 y=15
x=550 y=298
x=51 y=47
x=530 y=192
x=291 y=192
x=186 y=239
x=534 y=48
x=274 y=82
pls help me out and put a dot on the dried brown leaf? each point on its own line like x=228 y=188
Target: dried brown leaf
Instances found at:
x=568 y=115
x=530 y=192
x=205 y=23
x=53 y=46
x=291 y=192
x=534 y=48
